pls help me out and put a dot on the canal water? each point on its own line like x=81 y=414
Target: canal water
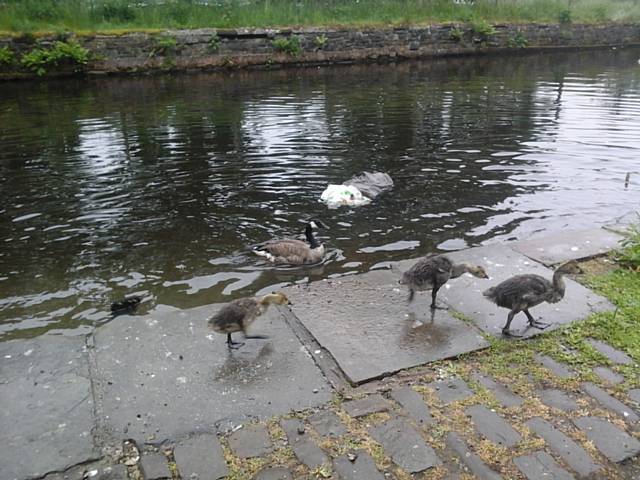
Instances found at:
x=157 y=186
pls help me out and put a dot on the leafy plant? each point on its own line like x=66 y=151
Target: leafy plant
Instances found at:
x=483 y=28
x=456 y=34
x=320 y=41
x=518 y=41
x=629 y=255
x=40 y=60
x=289 y=45
x=7 y=56
x=214 y=43
x=564 y=17
x=165 y=45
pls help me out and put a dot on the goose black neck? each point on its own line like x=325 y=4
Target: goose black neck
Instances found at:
x=308 y=232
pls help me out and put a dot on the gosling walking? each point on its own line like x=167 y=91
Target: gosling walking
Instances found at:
x=238 y=315
x=522 y=292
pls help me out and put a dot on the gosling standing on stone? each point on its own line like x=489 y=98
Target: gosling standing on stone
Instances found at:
x=239 y=314
x=433 y=271
x=522 y=292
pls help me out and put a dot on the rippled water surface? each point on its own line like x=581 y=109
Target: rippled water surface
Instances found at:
x=156 y=186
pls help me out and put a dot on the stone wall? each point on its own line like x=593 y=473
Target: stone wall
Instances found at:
x=219 y=49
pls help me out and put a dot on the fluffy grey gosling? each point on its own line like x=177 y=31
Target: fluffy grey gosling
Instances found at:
x=238 y=315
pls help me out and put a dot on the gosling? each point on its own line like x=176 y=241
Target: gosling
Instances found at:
x=522 y=292
x=239 y=314
x=433 y=271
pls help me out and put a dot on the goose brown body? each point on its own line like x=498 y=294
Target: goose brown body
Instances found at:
x=294 y=252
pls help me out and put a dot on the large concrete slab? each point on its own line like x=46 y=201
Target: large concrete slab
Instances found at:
x=568 y=245
x=464 y=294
x=366 y=324
x=46 y=417
x=164 y=375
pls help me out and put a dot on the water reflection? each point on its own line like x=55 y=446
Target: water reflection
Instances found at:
x=157 y=186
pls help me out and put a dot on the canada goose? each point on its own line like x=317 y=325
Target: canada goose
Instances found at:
x=239 y=314
x=522 y=292
x=433 y=271
x=128 y=305
x=294 y=252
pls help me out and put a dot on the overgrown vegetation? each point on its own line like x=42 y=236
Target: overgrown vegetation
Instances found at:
x=289 y=45
x=320 y=41
x=109 y=15
x=165 y=45
x=629 y=254
x=42 y=60
x=456 y=34
x=214 y=43
x=483 y=28
x=7 y=57
x=518 y=41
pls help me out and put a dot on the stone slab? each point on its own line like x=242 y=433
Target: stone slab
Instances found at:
x=165 y=375
x=472 y=461
x=250 y=441
x=302 y=445
x=451 y=389
x=155 y=466
x=541 y=465
x=47 y=406
x=327 y=423
x=615 y=444
x=363 y=468
x=568 y=245
x=616 y=356
x=273 y=473
x=374 y=403
x=573 y=454
x=492 y=426
x=413 y=403
x=368 y=317
x=558 y=399
x=634 y=395
x=610 y=403
x=505 y=396
x=200 y=457
x=608 y=375
x=557 y=368
x=405 y=446
x=464 y=294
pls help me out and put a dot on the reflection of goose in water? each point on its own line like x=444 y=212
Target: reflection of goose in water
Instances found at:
x=238 y=315
x=521 y=292
x=294 y=252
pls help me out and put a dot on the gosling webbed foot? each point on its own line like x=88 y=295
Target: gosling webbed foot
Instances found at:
x=256 y=337
x=508 y=333
x=539 y=325
x=438 y=307
x=233 y=345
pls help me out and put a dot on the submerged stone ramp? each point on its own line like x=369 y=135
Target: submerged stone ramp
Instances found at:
x=165 y=375
x=364 y=321
x=46 y=419
x=464 y=294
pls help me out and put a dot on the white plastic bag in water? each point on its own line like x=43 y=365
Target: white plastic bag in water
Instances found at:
x=336 y=195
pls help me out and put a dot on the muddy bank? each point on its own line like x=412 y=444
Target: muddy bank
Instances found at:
x=211 y=49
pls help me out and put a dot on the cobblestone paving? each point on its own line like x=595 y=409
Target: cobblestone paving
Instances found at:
x=429 y=423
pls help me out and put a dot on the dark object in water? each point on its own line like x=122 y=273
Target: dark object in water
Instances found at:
x=128 y=305
x=371 y=184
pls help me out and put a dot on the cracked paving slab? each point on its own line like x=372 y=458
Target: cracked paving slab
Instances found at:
x=367 y=316
x=464 y=294
x=165 y=375
x=47 y=417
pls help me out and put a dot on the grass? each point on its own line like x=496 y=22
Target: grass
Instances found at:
x=125 y=15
